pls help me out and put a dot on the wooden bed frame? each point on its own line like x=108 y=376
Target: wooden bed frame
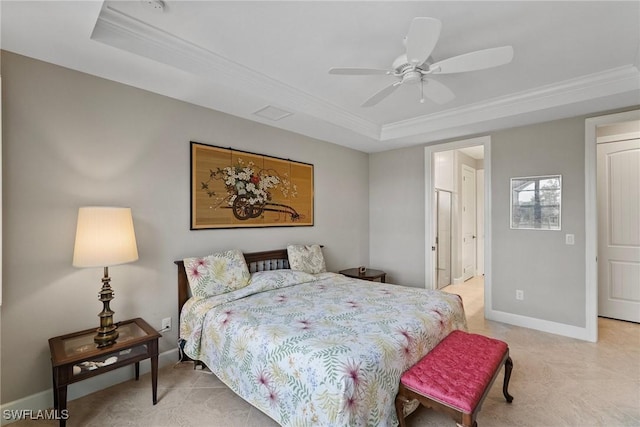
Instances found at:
x=257 y=261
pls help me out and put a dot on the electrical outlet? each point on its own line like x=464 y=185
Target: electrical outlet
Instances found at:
x=166 y=324
x=519 y=295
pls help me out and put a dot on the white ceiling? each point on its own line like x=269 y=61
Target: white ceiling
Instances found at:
x=239 y=57
x=475 y=152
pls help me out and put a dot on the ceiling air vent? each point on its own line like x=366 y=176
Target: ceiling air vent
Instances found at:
x=272 y=113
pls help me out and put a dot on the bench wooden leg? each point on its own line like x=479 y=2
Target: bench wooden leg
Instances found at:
x=508 y=366
x=468 y=420
x=400 y=402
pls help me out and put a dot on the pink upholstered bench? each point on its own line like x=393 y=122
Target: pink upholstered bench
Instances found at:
x=456 y=376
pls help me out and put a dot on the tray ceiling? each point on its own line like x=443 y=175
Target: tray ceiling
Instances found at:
x=272 y=58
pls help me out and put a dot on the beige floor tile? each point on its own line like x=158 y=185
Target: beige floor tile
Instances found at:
x=556 y=382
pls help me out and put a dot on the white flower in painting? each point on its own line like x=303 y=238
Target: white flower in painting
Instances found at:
x=269 y=181
x=251 y=184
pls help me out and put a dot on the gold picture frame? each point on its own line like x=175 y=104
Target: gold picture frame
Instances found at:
x=239 y=189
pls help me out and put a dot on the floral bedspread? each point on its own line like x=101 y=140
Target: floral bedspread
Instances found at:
x=328 y=352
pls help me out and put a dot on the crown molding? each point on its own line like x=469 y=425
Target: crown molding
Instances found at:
x=125 y=32
x=591 y=86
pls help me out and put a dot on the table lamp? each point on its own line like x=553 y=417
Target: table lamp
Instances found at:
x=104 y=237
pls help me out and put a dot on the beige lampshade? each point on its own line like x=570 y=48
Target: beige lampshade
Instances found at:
x=104 y=237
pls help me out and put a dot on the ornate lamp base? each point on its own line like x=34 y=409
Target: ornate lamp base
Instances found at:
x=106 y=338
x=107 y=332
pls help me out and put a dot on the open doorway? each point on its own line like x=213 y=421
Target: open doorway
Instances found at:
x=457 y=178
x=592 y=128
x=458 y=244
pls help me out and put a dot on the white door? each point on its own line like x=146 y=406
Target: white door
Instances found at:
x=480 y=222
x=619 y=230
x=468 y=202
x=443 y=238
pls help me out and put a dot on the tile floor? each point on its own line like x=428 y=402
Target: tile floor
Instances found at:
x=556 y=381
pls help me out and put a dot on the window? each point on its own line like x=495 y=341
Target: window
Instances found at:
x=536 y=202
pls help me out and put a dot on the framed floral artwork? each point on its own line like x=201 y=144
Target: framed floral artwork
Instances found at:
x=234 y=189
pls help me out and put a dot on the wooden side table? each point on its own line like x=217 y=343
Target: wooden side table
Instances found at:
x=75 y=357
x=369 y=274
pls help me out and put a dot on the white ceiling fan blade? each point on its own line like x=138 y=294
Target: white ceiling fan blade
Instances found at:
x=478 y=60
x=358 y=71
x=379 y=96
x=421 y=39
x=436 y=91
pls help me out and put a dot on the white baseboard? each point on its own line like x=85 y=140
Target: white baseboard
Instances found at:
x=539 y=325
x=44 y=399
x=457 y=280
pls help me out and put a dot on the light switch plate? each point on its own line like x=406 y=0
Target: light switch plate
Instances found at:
x=570 y=239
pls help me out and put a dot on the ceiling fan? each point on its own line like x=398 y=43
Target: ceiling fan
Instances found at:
x=414 y=66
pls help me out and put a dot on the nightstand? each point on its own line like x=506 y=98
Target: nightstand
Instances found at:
x=369 y=274
x=75 y=357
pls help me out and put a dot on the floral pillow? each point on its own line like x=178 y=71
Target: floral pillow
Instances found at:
x=217 y=274
x=275 y=279
x=306 y=258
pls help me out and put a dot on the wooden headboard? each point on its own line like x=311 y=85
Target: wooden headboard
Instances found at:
x=257 y=261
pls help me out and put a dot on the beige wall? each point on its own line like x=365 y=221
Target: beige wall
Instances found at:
x=396 y=215
x=71 y=139
x=551 y=273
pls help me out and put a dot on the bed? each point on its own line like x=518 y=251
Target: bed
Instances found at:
x=319 y=349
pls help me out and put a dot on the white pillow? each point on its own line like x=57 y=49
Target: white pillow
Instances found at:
x=217 y=273
x=306 y=258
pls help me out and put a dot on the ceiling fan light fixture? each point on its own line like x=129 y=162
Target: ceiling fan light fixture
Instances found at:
x=413 y=66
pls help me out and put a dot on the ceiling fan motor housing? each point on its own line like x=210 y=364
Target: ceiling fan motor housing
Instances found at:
x=408 y=73
x=411 y=77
